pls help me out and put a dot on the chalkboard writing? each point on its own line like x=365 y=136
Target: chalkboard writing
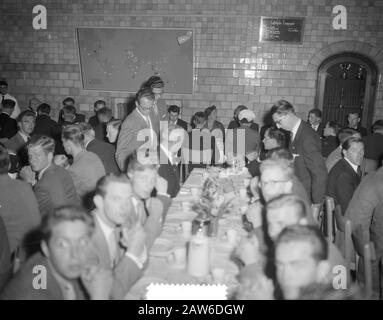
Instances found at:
x=281 y=30
x=121 y=59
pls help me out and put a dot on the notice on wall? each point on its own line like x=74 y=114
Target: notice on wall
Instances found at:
x=289 y=30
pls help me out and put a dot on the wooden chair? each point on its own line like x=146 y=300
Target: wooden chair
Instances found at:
x=329 y=219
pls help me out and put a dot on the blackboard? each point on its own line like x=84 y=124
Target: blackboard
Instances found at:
x=281 y=30
x=121 y=59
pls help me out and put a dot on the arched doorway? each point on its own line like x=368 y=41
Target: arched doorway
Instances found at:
x=346 y=83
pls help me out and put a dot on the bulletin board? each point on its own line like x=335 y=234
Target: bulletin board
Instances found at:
x=121 y=59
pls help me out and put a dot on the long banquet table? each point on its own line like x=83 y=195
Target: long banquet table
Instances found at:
x=161 y=269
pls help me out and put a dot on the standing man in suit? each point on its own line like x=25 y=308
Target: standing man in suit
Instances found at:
x=26 y=124
x=157 y=86
x=139 y=126
x=98 y=105
x=64 y=269
x=353 y=120
x=4 y=95
x=170 y=144
x=18 y=206
x=119 y=239
x=174 y=118
x=105 y=151
x=48 y=127
x=87 y=167
x=53 y=185
x=306 y=148
x=8 y=125
x=315 y=121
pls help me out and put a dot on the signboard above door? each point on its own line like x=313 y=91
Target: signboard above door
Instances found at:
x=288 y=30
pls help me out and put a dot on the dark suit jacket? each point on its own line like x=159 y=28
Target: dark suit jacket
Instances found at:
x=8 y=126
x=17 y=145
x=79 y=118
x=48 y=127
x=20 y=287
x=128 y=140
x=309 y=165
x=329 y=144
x=93 y=121
x=170 y=173
x=5 y=256
x=319 y=130
x=373 y=147
x=242 y=139
x=126 y=271
x=366 y=209
x=106 y=152
x=342 y=183
x=54 y=189
x=19 y=210
x=183 y=124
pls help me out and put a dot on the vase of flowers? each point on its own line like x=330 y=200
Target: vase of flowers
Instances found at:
x=209 y=207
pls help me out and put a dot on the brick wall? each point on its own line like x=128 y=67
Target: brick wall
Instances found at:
x=231 y=66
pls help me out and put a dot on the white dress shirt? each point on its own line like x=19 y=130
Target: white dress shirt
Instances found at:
x=295 y=129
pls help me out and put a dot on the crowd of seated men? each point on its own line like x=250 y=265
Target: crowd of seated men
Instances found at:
x=85 y=201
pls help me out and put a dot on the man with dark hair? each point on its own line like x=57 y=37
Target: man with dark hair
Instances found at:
x=105 y=151
x=53 y=185
x=19 y=208
x=4 y=95
x=301 y=259
x=68 y=114
x=138 y=127
x=157 y=85
x=104 y=115
x=119 y=239
x=315 y=121
x=26 y=124
x=306 y=148
x=8 y=125
x=330 y=140
x=373 y=144
x=98 y=105
x=336 y=155
x=87 y=167
x=174 y=120
x=65 y=266
x=353 y=122
x=48 y=127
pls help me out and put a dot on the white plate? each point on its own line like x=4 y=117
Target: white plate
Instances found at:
x=162 y=248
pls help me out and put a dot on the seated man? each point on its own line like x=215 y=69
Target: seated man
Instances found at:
x=119 y=238
x=98 y=105
x=69 y=115
x=19 y=208
x=17 y=144
x=53 y=185
x=365 y=211
x=87 y=167
x=8 y=125
x=150 y=210
x=168 y=160
x=62 y=271
x=105 y=151
x=174 y=118
x=353 y=120
x=330 y=140
x=336 y=155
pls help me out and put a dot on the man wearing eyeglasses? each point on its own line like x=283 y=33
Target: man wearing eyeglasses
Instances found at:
x=309 y=164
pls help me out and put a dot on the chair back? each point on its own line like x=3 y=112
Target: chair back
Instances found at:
x=329 y=218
